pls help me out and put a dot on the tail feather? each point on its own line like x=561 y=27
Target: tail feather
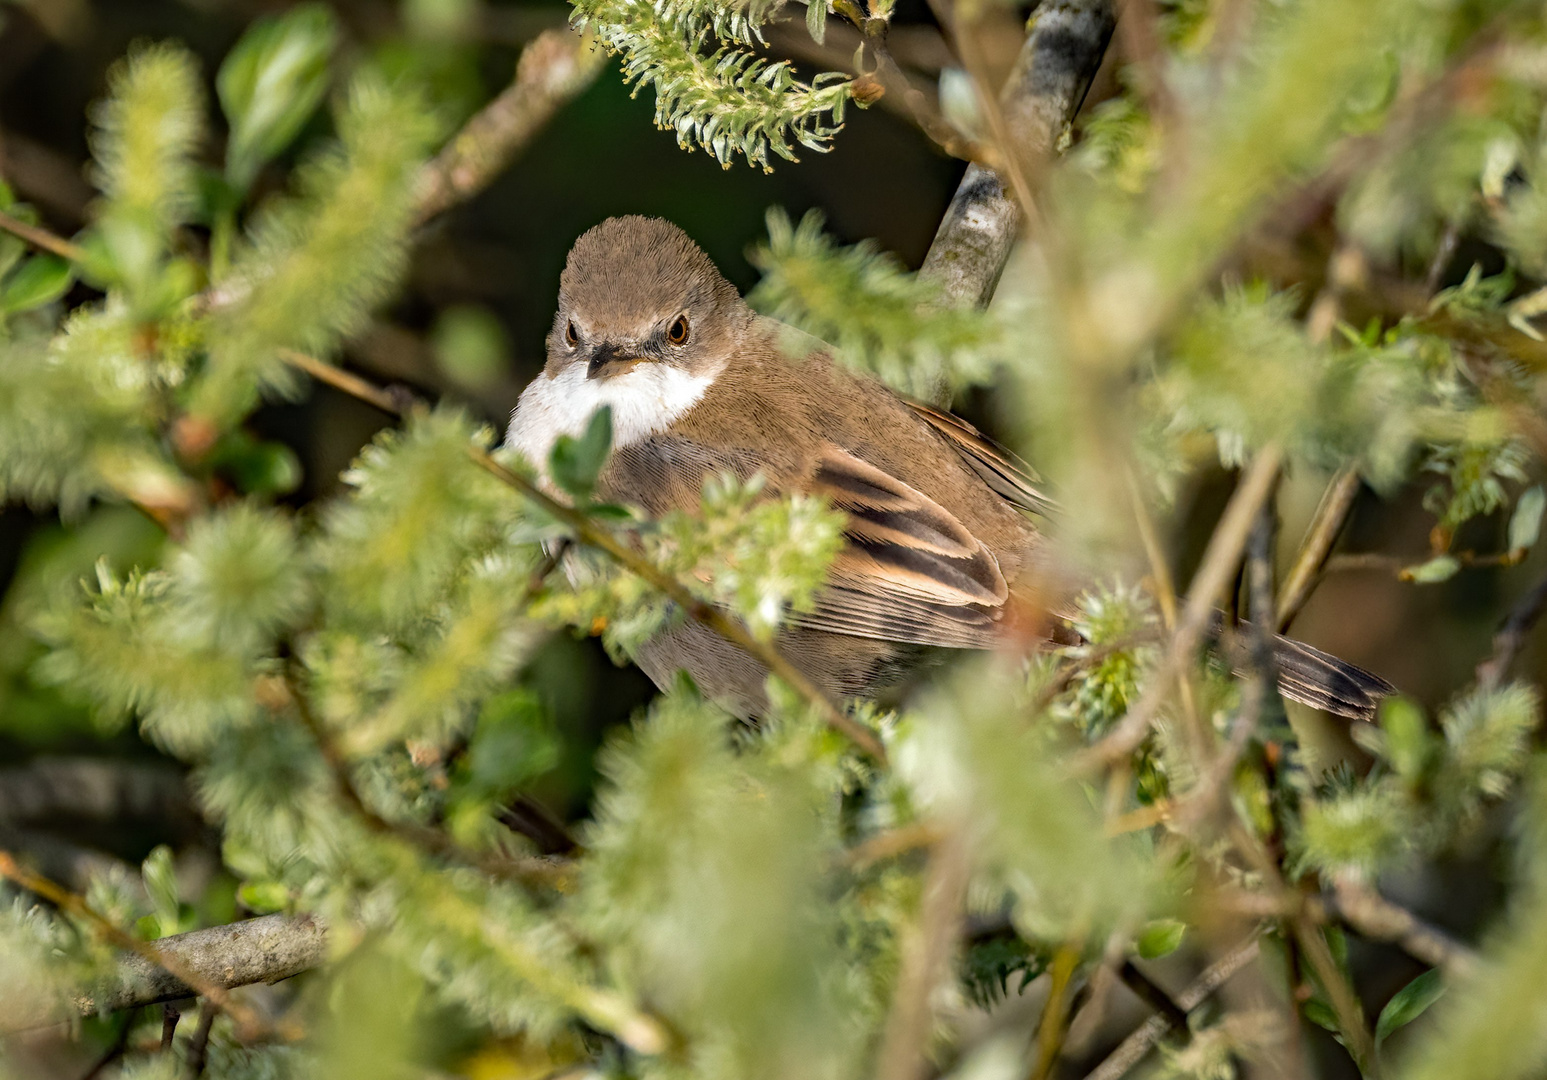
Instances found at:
x=1322 y=681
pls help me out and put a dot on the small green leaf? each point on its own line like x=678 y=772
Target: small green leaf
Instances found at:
x=1525 y=525
x=1161 y=937
x=161 y=886
x=1410 y=1002
x=40 y=280
x=1321 y=1014
x=1436 y=570
x=575 y=463
x=1407 y=737
x=263 y=896
x=271 y=83
x=816 y=20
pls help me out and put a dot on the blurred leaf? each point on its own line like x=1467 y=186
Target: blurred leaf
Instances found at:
x=1410 y=1002
x=1525 y=525
x=42 y=279
x=1438 y=569
x=470 y=347
x=270 y=85
x=513 y=743
x=575 y=463
x=1408 y=742
x=161 y=886
x=263 y=896
x=1161 y=937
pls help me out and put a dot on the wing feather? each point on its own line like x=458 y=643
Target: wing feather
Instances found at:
x=1010 y=478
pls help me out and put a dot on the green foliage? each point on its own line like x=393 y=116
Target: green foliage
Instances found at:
x=318 y=261
x=270 y=85
x=762 y=558
x=729 y=101
x=1432 y=786
x=881 y=319
x=358 y=689
x=721 y=921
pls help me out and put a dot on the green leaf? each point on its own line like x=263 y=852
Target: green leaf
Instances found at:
x=42 y=279
x=816 y=20
x=1408 y=742
x=1321 y=1014
x=575 y=463
x=1525 y=525
x=263 y=896
x=1410 y=1002
x=1161 y=937
x=1441 y=568
x=513 y=744
x=161 y=886
x=271 y=84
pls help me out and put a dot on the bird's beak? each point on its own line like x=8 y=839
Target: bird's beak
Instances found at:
x=609 y=360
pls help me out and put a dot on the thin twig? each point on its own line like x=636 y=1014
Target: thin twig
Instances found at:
x=1132 y=1049
x=1054 y=1025
x=925 y=115
x=431 y=841
x=1152 y=994
x=1219 y=563
x=1378 y=919
x=892 y=843
x=926 y=957
x=1262 y=678
x=198 y=1047
x=1511 y=636
x=170 y=1015
x=552 y=71
x=1320 y=536
x=1345 y=1003
x=42 y=238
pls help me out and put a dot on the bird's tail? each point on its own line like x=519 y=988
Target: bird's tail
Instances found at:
x=1322 y=681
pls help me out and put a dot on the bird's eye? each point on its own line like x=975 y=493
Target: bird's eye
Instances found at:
x=677 y=332
x=569 y=334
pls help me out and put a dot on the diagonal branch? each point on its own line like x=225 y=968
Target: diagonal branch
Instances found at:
x=552 y=71
x=1065 y=47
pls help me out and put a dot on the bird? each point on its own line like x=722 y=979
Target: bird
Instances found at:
x=942 y=545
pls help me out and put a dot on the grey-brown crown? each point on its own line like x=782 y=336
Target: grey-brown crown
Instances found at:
x=629 y=270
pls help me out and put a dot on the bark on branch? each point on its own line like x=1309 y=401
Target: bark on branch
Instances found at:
x=1067 y=41
x=265 y=949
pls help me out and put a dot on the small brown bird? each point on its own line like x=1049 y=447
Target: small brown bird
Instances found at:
x=939 y=542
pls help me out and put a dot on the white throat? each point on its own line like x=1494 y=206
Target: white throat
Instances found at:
x=645 y=400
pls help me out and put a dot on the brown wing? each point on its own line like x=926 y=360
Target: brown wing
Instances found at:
x=911 y=571
x=1009 y=477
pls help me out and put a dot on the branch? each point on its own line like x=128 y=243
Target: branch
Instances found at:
x=206 y=963
x=553 y=70
x=926 y=959
x=1067 y=42
x=1219 y=563
x=1511 y=636
x=1378 y=919
x=1132 y=1049
x=1319 y=538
